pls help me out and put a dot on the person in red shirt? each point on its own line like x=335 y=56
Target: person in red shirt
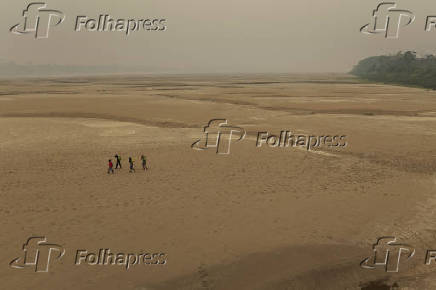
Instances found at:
x=111 y=167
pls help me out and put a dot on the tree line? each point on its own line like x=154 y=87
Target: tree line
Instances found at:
x=402 y=68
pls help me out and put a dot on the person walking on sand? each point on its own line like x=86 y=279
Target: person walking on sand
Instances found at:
x=111 y=167
x=132 y=166
x=144 y=162
x=118 y=161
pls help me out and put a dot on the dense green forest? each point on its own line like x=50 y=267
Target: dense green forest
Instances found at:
x=402 y=68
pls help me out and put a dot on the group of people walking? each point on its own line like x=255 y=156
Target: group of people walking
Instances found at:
x=131 y=164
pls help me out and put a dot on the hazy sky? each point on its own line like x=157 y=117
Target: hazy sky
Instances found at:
x=218 y=35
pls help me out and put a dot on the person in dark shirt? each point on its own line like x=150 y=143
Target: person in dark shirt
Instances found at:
x=132 y=166
x=144 y=162
x=118 y=158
